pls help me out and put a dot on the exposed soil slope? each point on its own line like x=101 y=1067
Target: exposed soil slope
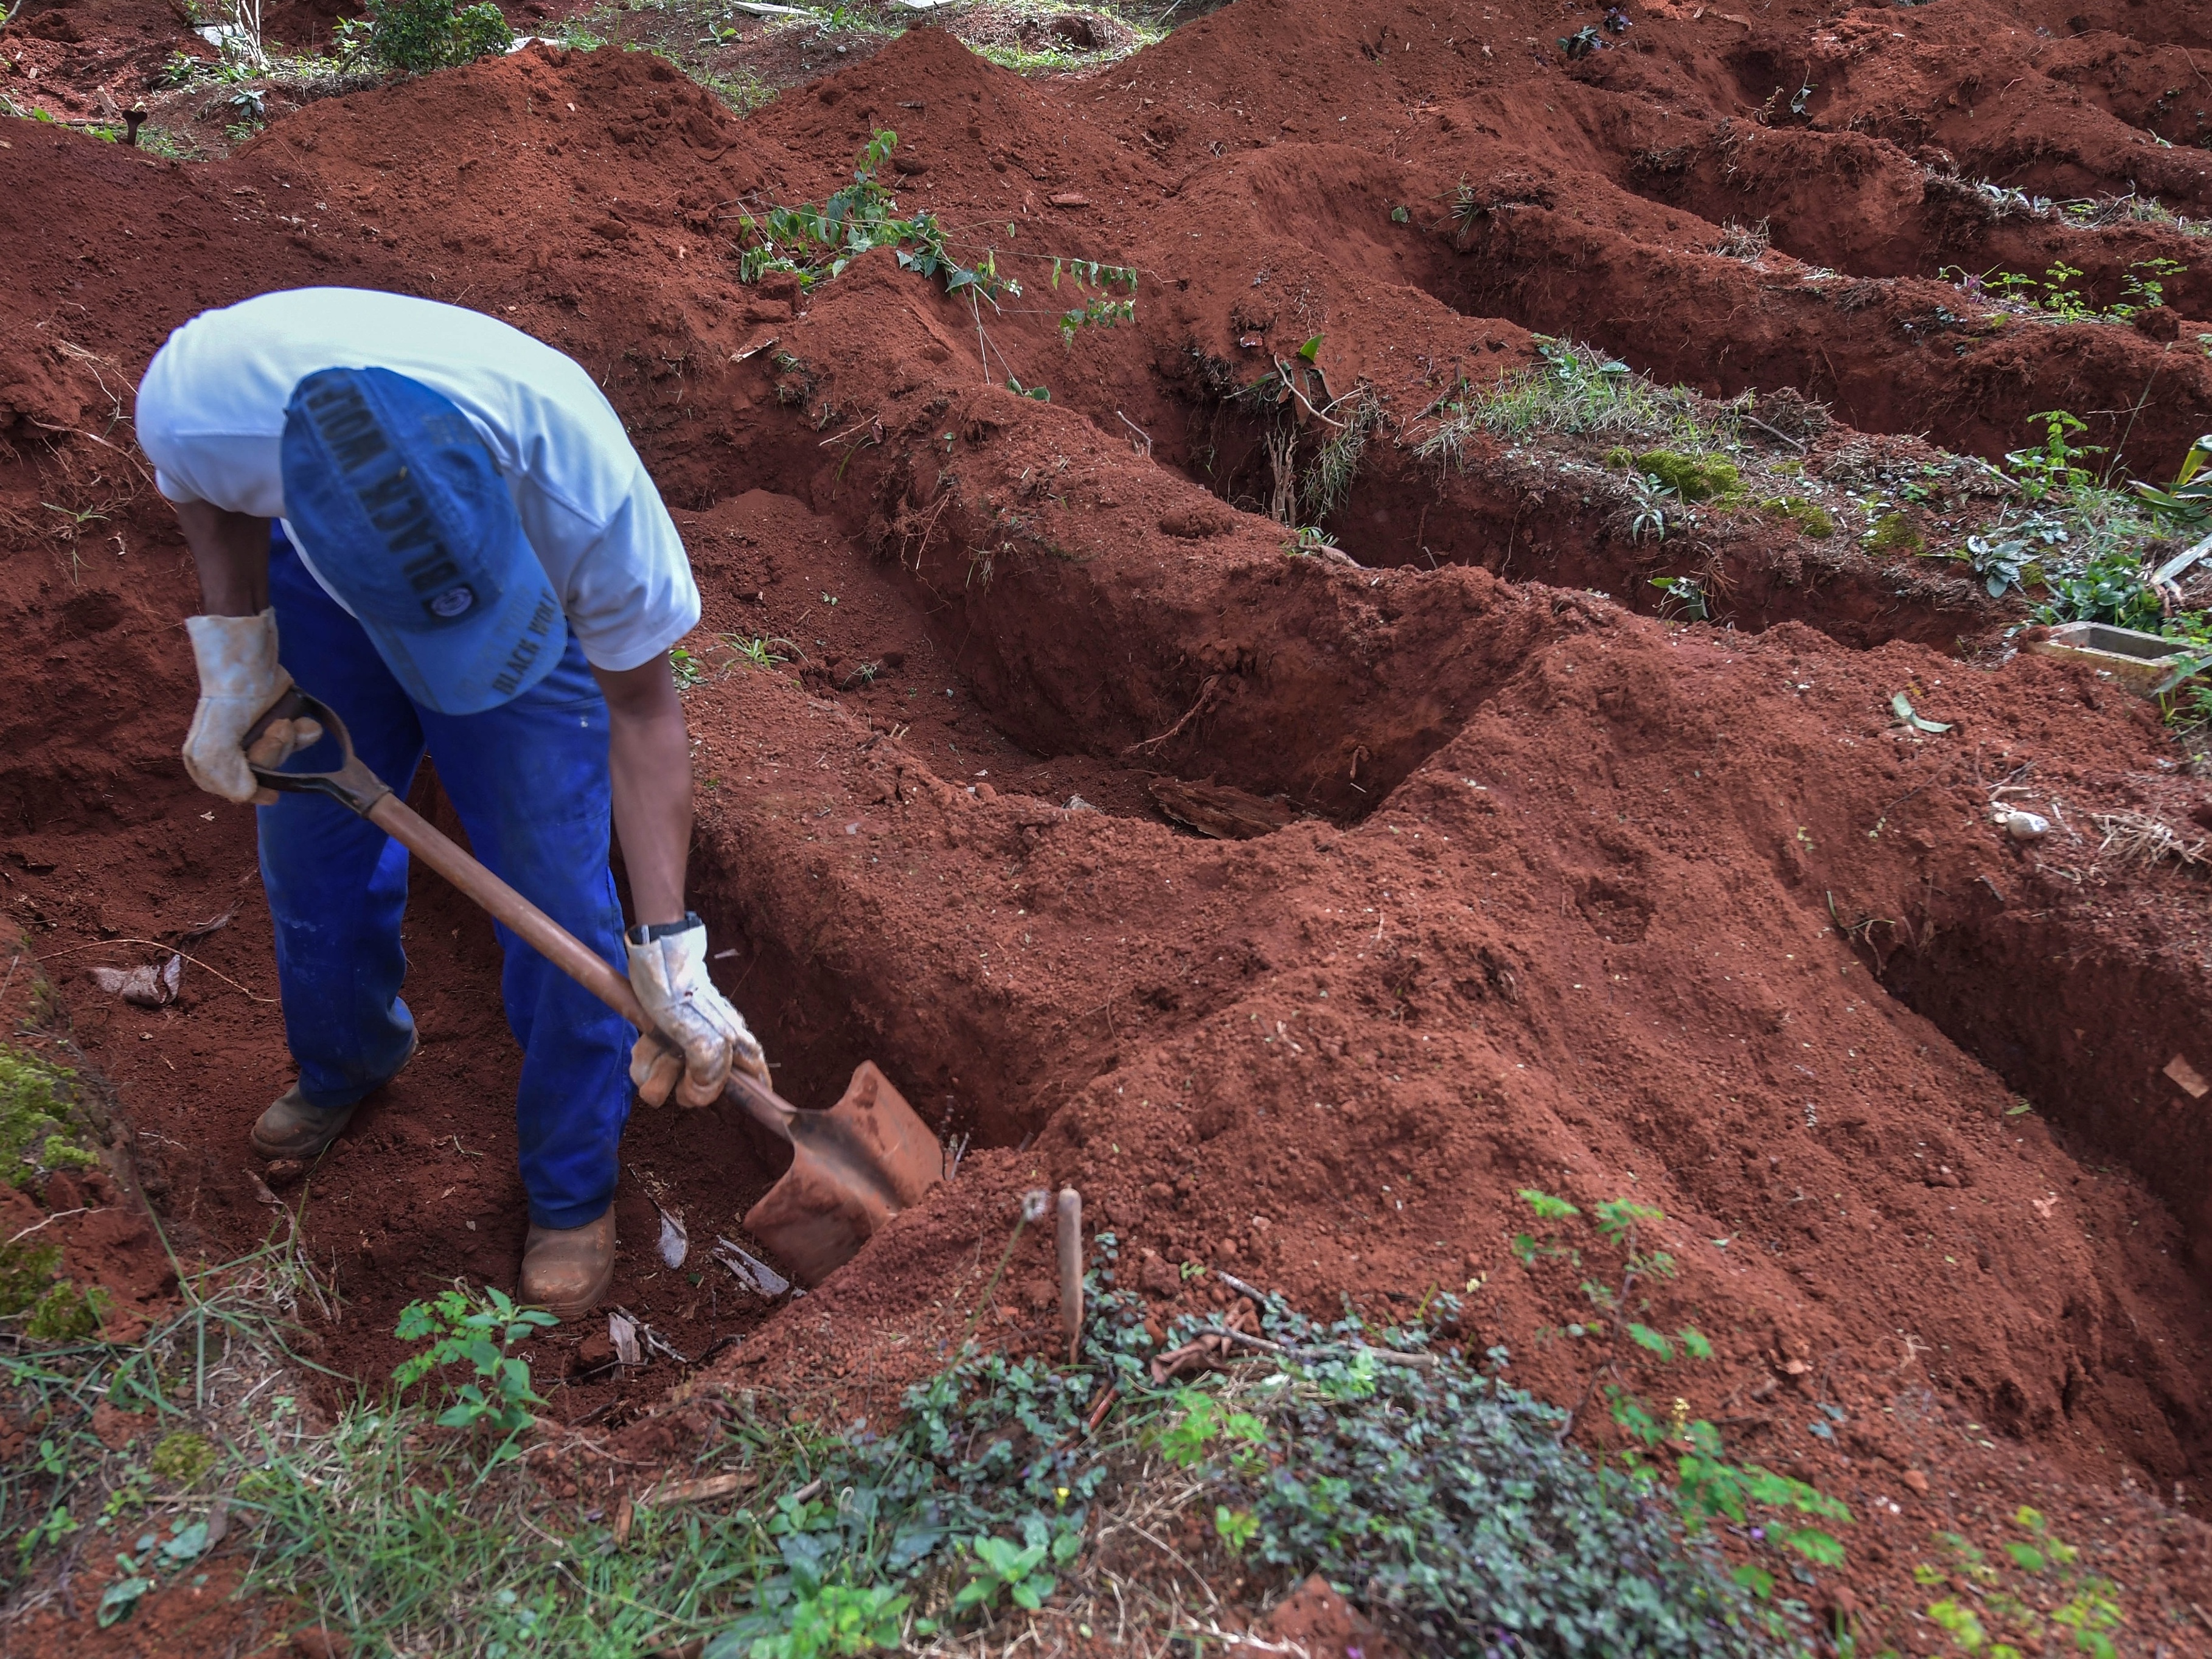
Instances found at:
x=1572 y=898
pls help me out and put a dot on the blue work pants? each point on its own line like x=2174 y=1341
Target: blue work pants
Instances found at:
x=530 y=781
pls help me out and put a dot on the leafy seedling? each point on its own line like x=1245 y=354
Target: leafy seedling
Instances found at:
x=466 y=1328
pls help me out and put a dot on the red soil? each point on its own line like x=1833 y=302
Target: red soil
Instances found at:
x=1578 y=900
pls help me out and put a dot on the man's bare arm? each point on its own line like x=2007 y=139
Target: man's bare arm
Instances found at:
x=649 y=755
x=232 y=551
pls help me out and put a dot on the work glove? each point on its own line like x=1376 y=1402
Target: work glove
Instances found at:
x=241 y=680
x=668 y=971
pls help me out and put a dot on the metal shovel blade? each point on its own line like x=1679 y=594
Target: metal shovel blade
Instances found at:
x=852 y=1168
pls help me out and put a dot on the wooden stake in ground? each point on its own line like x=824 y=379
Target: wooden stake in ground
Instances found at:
x=1070 y=1268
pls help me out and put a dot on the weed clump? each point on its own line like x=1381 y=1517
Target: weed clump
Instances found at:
x=1894 y=533
x=1809 y=517
x=414 y=37
x=1578 y=391
x=1696 y=478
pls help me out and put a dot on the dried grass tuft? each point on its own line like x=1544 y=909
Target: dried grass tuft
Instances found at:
x=2139 y=838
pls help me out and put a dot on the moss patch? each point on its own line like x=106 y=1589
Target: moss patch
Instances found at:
x=37 y=1130
x=1809 y=516
x=26 y=1270
x=1893 y=534
x=183 y=1457
x=67 y=1313
x=1694 y=477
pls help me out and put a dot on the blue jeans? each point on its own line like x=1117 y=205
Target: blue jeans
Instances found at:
x=530 y=780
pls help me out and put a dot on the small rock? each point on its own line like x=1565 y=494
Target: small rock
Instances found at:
x=283 y=1172
x=2027 y=826
x=1917 y=1480
x=1159 y=1192
x=595 y=1351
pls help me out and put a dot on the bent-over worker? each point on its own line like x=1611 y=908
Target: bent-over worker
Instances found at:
x=438 y=525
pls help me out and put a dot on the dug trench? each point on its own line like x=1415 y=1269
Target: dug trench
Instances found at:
x=1568 y=898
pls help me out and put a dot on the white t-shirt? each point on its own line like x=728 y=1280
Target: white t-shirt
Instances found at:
x=211 y=417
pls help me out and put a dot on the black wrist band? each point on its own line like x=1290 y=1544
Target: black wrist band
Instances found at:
x=645 y=933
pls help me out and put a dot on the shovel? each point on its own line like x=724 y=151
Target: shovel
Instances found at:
x=851 y=1167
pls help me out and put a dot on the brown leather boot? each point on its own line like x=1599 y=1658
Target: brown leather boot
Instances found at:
x=566 y=1270
x=292 y=1129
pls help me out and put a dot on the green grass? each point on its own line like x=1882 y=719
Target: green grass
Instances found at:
x=1580 y=391
x=1441 y=1491
x=170 y=146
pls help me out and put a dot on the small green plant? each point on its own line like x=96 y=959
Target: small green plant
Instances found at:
x=687 y=670
x=137 y=1572
x=2186 y=503
x=2035 y=1595
x=477 y=1329
x=2142 y=287
x=1654 y=501
x=756 y=652
x=1014 y=1570
x=2144 y=283
x=1235 y=1528
x=1099 y=309
x=1308 y=539
x=1327 y=481
x=836 y=1621
x=168 y=145
x=2052 y=471
x=2004 y=555
x=2108 y=588
x=1579 y=390
x=816 y=243
x=1204 y=1422
x=414 y=37
x=1706 y=1487
x=1686 y=600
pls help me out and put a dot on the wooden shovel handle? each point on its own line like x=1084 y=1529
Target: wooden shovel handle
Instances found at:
x=357 y=787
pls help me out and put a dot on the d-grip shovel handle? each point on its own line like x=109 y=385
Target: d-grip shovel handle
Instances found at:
x=355 y=787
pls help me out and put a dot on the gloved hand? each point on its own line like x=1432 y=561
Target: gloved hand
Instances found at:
x=240 y=679
x=668 y=971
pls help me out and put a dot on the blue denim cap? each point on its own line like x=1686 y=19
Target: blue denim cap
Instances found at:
x=404 y=517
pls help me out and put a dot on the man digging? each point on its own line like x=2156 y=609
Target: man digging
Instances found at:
x=438 y=525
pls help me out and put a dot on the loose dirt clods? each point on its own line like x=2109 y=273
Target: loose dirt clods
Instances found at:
x=1405 y=718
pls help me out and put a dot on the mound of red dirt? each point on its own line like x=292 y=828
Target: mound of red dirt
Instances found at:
x=1568 y=898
